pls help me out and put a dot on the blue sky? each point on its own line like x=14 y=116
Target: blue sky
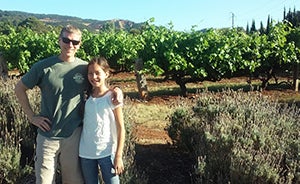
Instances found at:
x=182 y=13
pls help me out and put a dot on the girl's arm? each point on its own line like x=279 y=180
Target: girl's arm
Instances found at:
x=118 y=162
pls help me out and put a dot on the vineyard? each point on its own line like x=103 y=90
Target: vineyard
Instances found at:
x=221 y=133
x=183 y=57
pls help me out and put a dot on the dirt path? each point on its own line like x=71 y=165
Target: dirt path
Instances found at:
x=159 y=159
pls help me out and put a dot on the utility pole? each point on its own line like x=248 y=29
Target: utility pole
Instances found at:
x=232 y=20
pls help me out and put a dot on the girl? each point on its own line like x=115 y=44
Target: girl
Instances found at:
x=103 y=134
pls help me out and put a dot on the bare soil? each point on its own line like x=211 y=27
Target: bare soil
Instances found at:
x=156 y=156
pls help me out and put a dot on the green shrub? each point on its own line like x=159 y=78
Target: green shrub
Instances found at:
x=131 y=174
x=17 y=138
x=238 y=137
x=10 y=171
x=15 y=132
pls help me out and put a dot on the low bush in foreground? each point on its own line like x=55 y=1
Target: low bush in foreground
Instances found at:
x=15 y=133
x=17 y=139
x=238 y=137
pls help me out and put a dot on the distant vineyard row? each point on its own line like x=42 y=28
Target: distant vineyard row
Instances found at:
x=181 y=56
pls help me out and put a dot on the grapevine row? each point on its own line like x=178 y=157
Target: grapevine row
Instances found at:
x=184 y=57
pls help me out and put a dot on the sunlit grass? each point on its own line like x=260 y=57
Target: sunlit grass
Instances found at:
x=151 y=115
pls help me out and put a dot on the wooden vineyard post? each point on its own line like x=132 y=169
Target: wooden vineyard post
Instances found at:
x=296 y=77
x=3 y=67
x=141 y=80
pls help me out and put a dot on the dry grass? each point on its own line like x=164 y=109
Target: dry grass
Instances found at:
x=151 y=115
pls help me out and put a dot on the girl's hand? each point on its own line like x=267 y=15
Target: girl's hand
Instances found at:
x=119 y=166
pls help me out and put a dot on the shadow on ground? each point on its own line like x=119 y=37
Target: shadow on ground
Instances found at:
x=163 y=163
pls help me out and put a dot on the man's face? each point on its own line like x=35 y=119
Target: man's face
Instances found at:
x=69 y=44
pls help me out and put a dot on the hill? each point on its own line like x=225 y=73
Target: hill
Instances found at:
x=16 y=18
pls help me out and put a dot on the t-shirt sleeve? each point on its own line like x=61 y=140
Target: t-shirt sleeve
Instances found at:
x=32 y=77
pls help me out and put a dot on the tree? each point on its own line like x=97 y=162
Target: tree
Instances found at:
x=262 y=29
x=293 y=18
x=34 y=24
x=269 y=24
x=253 y=28
x=247 y=29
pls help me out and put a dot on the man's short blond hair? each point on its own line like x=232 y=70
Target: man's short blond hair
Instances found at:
x=70 y=29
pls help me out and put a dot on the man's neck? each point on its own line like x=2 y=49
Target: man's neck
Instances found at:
x=66 y=58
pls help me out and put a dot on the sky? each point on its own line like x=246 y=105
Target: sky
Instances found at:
x=182 y=14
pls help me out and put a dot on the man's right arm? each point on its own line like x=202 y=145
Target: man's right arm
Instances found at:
x=39 y=121
x=20 y=91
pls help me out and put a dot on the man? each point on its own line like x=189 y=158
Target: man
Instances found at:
x=62 y=80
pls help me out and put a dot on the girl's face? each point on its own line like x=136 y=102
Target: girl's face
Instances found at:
x=96 y=75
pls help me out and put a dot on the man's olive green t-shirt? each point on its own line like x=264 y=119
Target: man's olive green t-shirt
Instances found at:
x=62 y=86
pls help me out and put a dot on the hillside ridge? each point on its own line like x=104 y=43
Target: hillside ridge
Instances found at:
x=16 y=17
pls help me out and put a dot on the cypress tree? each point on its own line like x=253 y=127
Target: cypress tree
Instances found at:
x=261 y=29
x=253 y=28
